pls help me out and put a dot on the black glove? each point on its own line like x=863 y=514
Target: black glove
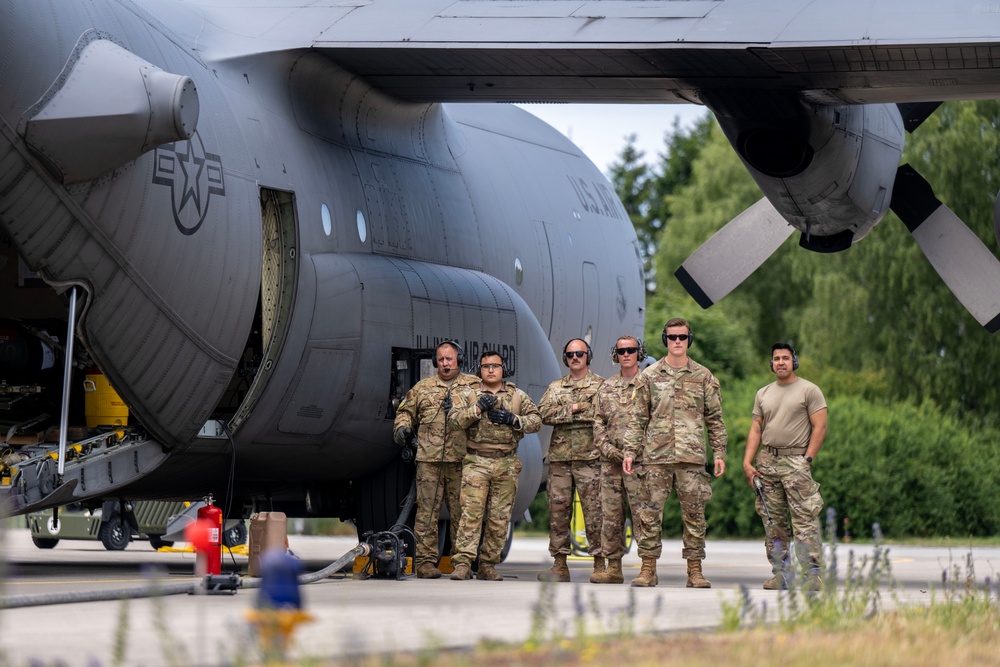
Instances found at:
x=501 y=416
x=403 y=436
x=486 y=402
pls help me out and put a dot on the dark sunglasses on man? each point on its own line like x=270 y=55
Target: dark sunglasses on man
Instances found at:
x=626 y=350
x=677 y=336
x=576 y=353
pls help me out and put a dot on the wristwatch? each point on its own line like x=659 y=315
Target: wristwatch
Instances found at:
x=808 y=459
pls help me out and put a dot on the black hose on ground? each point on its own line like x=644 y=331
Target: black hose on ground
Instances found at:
x=192 y=588
x=157 y=590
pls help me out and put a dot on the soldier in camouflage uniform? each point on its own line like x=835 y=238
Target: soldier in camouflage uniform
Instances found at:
x=439 y=452
x=496 y=415
x=787 y=431
x=616 y=416
x=568 y=406
x=684 y=399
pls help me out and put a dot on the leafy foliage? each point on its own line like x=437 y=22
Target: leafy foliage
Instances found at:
x=645 y=193
x=911 y=468
x=908 y=374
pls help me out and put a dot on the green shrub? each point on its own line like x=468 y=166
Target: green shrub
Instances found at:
x=912 y=468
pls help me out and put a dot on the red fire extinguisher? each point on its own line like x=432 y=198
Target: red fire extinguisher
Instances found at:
x=210 y=557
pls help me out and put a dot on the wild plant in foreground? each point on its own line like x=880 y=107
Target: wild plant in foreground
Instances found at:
x=119 y=649
x=588 y=621
x=817 y=598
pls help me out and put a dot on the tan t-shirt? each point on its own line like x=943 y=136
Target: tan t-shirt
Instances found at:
x=785 y=410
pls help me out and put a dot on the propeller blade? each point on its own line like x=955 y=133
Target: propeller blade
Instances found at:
x=733 y=253
x=964 y=263
x=915 y=113
x=996 y=219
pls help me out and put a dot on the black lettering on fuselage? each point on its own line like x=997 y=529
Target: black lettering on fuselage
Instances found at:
x=596 y=197
x=592 y=203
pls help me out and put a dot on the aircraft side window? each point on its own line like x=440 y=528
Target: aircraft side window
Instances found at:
x=327 y=221
x=362 y=227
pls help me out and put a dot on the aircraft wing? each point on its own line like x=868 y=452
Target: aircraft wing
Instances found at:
x=643 y=51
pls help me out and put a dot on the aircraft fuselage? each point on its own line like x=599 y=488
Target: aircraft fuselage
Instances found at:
x=273 y=271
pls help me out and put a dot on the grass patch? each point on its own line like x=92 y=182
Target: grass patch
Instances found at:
x=909 y=638
x=948 y=542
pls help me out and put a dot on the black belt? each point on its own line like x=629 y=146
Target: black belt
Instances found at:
x=490 y=453
x=786 y=451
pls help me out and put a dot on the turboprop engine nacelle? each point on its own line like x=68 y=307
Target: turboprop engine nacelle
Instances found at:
x=828 y=170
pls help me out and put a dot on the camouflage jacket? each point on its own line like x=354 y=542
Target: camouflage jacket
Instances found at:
x=620 y=414
x=682 y=403
x=484 y=434
x=573 y=432
x=421 y=410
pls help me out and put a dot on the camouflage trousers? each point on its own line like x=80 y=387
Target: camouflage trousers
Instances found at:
x=585 y=477
x=488 y=490
x=436 y=483
x=694 y=490
x=618 y=492
x=790 y=491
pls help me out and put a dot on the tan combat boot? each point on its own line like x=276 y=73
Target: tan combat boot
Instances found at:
x=647 y=575
x=462 y=572
x=599 y=569
x=559 y=571
x=428 y=571
x=775 y=583
x=695 y=578
x=488 y=573
x=612 y=573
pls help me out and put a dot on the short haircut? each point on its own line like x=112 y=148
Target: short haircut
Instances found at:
x=782 y=346
x=677 y=322
x=489 y=353
x=628 y=337
x=450 y=343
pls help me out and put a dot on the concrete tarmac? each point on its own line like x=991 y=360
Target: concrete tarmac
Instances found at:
x=373 y=616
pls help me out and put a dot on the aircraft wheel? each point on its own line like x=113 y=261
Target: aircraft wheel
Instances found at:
x=235 y=536
x=380 y=497
x=114 y=534
x=157 y=542
x=629 y=535
x=444 y=537
x=45 y=542
x=506 y=545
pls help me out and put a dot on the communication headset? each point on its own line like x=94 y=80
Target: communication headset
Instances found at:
x=785 y=346
x=590 y=352
x=639 y=343
x=491 y=353
x=666 y=343
x=458 y=348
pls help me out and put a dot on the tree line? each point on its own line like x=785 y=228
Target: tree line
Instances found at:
x=909 y=375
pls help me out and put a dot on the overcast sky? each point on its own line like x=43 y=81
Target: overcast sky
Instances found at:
x=600 y=129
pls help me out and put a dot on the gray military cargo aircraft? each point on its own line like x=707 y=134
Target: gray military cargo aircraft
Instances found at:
x=259 y=216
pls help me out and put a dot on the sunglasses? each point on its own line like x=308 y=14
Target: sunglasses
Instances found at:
x=626 y=350
x=677 y=336
x=576 y=353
